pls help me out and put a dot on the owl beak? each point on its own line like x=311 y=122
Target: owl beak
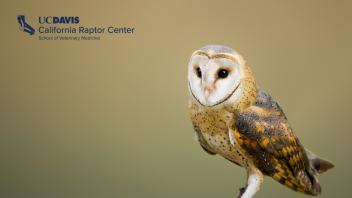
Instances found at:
x=209 y=89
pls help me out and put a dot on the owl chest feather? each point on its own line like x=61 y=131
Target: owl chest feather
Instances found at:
x=212 y=127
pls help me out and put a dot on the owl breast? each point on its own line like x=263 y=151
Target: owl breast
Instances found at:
x=212 y=128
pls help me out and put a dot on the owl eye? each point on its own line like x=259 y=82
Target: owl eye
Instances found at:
x=223 y=73
x=198 y=72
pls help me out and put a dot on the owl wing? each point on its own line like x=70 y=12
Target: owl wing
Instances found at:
x=263 y=131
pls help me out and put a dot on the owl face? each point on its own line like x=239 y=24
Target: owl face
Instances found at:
x=214 y=74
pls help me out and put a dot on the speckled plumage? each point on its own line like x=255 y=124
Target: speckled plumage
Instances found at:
x=249 y=128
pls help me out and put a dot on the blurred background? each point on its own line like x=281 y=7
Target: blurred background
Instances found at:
x=109 y=118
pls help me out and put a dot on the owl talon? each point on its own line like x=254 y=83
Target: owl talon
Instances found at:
x=242 y=190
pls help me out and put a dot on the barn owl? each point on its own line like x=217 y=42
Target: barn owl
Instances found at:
x=245 y=125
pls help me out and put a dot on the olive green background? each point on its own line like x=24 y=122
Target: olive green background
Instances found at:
x=109 y=118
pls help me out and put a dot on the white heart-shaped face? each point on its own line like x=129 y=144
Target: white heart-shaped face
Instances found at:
x=213 y=80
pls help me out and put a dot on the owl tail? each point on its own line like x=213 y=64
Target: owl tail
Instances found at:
x=318 y=164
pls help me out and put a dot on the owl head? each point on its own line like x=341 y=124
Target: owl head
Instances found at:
x=218 y=75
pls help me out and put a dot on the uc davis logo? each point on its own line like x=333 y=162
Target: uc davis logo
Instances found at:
x=24 y=26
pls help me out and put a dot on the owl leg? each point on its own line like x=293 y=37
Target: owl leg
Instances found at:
x=254 y=180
